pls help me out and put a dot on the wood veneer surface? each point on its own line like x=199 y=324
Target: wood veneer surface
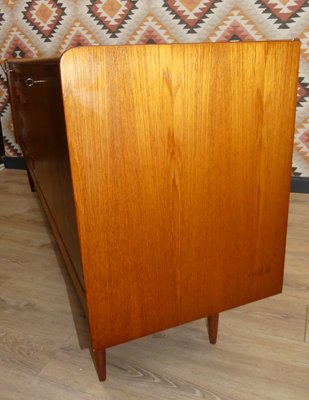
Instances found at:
x=182 y=197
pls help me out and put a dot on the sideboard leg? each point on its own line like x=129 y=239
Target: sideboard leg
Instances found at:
x=100 y=363
x=212 y=326
x=31 y=182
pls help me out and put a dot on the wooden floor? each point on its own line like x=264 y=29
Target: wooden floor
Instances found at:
x=262 y=351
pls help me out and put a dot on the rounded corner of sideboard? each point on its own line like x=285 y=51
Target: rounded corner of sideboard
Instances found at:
x=65 y=55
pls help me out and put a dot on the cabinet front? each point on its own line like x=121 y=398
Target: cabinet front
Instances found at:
x=40 y=131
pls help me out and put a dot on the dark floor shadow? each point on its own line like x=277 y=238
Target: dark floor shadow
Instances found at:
x=78 y=314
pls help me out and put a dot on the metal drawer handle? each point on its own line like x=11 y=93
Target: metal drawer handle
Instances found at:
x=30 y=82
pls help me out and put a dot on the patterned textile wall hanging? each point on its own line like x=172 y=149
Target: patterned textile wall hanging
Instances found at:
x=43 y=28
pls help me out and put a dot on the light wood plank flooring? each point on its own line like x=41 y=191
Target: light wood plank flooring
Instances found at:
x=262 y=350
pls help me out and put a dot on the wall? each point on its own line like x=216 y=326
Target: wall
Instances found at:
x=46 y=28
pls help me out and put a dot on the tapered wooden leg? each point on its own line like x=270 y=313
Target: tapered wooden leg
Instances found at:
x=31 y=182
x=212 y=326
x=100 y=363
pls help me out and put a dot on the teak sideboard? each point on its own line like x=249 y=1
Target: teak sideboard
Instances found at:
x=164 y=171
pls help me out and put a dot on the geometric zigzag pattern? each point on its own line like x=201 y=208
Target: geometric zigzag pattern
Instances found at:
x=46 y=28
x=110 y=15
x=44 y=17
x=236 y=26
x=301 y=141
x=190 y=14
x=283 y=12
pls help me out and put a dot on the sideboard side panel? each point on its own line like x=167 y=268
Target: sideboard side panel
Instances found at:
x=182 y=196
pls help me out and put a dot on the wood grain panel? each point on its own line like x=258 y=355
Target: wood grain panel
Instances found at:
x=182 y=198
